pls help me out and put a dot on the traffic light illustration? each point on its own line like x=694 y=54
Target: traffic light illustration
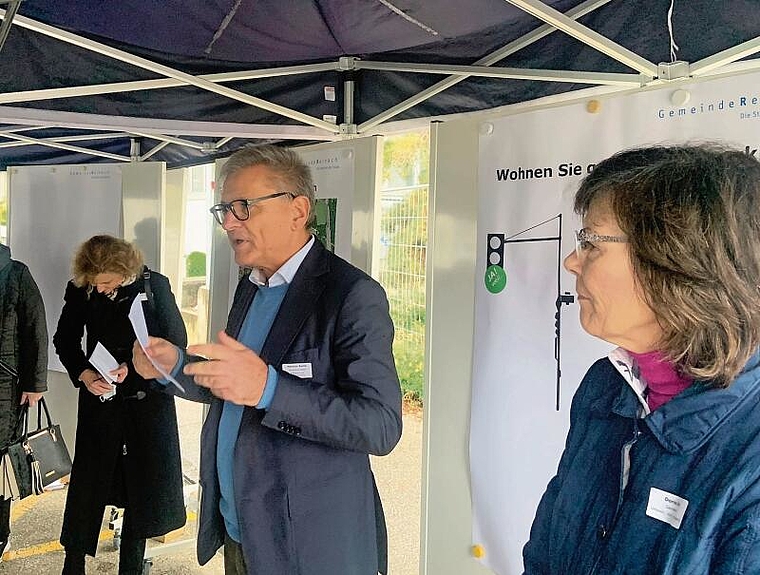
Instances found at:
x=495 y=257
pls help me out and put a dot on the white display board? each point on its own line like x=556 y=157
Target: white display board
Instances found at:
x=52 y=210
x=332 y=170
x=333 y=174
x=529 y=168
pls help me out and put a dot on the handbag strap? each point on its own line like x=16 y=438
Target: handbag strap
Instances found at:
x=40 y=406
x=147 y=288
x=21 y=431
x=23 y=419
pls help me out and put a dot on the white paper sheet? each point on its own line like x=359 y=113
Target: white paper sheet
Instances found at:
x=102 y=360
x=137 y=318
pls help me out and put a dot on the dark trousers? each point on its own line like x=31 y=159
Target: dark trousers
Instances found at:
x=5 y=523
x=131 y=554
x=5 y=519
x=234 y=561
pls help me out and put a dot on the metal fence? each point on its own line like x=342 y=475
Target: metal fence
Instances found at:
x=403 y=250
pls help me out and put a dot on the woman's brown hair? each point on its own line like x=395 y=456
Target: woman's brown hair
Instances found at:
x=105 y=254
x=692 y=217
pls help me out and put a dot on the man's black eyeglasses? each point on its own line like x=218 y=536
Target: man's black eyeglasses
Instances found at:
x=240 y=208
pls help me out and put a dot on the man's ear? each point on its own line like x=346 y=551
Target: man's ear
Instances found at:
x=301 y=209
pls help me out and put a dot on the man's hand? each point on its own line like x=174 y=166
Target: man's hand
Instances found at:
x=164 y=353
x=94 y=382
x=30 y=397
x=234 y=372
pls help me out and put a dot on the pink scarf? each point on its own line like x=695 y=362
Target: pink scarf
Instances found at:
x=663 y=381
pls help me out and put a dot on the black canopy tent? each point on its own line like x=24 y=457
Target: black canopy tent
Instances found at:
x=187 y=81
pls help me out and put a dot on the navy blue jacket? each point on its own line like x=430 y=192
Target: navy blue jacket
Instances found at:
x=305 y=494
x=703 y=446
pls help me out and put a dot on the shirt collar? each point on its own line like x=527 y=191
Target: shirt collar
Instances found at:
x=287 y=271
x=626 y=366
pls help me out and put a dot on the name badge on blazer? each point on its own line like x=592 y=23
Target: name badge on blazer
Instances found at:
x=302 y=370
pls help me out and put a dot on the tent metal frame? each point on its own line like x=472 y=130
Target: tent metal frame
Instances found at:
x=216 y=134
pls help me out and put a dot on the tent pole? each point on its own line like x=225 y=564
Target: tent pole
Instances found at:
x=348 y=102
x=119 y=87
x=5 y=28
x=541 y=75
x=60 y=146
x=514 y=46
x=146 y=64
x=586 y=35
x=134 y=149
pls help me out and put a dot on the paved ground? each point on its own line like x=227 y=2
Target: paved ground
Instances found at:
x=37 y=520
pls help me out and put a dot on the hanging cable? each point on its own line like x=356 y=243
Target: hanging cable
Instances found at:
x=673 y=46
x=406 y=16
x=223 y=26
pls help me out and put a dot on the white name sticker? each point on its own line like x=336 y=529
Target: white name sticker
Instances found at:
x=666 y=507
x=302 y=370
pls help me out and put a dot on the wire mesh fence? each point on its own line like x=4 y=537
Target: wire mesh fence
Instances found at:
x=403 y=250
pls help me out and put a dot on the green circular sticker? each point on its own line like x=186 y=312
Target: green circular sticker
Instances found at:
x=496 y=279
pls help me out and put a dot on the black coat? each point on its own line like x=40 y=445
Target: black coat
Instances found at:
x=147 y=481
x=23 y=340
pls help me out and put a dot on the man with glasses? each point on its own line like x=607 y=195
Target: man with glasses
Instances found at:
x=302 y=386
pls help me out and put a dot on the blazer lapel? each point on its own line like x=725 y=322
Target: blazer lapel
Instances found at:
x=305 y=289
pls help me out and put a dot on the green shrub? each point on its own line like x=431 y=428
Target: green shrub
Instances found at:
x=195 y=265
x=409 y=354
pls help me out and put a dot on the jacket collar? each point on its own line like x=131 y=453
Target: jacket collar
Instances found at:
x=303 y=292
x=5 y=256
x=687 y=421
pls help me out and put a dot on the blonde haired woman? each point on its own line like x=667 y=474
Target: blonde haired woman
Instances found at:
x=127 y=446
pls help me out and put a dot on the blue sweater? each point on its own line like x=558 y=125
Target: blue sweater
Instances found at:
x=702 y=447
x=253 y=333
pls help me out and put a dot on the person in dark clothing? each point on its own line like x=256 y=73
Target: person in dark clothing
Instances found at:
x=127 y=446
x=302 y=389
x=23 y=349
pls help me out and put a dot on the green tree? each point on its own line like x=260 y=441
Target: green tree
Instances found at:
x=405 y=159
x=195 y=265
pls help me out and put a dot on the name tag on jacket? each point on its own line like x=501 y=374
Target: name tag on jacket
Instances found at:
x=666 y=507
x=302 y=370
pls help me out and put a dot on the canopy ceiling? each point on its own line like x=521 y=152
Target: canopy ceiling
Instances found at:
x=187 y=81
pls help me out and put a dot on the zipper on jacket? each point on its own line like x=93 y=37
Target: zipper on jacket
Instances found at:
x=625 y=469
x=625 y=465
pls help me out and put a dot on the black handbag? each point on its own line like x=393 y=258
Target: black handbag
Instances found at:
x=37 y=459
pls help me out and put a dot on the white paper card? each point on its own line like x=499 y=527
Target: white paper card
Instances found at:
x=137 y=317
x=666 y=507
x=102 y=360
x=302 y=370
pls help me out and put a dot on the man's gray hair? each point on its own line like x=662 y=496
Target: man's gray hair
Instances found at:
x=293 y=174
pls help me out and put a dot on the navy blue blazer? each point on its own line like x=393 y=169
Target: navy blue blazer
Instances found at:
x=306 y=497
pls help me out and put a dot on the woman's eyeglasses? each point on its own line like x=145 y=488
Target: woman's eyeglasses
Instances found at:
x=584 y=241
x=241 y=208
